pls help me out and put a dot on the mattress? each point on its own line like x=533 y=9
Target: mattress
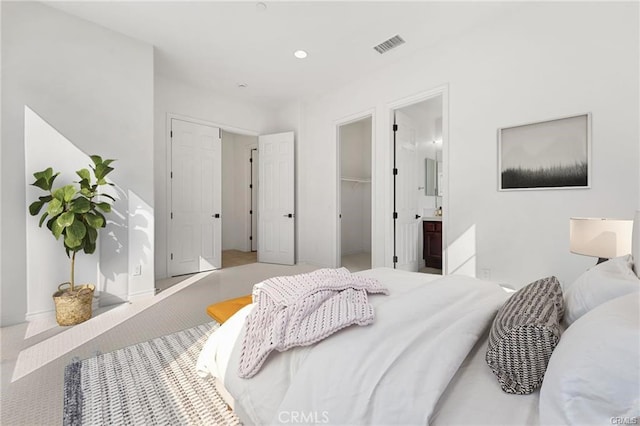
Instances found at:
x=417 y=362
x=474 y=397
x=582 y=385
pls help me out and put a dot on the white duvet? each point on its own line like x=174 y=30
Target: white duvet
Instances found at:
x=390 y=372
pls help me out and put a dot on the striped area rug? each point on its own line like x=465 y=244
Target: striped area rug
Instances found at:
x=151 y=383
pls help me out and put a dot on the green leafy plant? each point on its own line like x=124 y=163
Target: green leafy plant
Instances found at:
x=74 y=212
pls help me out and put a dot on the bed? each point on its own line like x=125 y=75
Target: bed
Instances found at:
x=424 y=359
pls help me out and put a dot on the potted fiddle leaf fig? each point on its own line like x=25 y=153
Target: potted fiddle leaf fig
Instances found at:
x=74 y=213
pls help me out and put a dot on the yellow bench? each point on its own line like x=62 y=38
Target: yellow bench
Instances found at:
x=222 y=311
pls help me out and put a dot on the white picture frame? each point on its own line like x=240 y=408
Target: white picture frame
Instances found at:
x=551 y=154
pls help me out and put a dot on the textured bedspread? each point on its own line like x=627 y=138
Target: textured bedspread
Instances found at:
x=391 y=372
x=303 y=309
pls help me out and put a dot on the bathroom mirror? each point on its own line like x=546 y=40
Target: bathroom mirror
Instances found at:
x=431 y=173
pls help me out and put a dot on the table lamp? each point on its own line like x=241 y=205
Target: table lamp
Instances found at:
x=601 y=238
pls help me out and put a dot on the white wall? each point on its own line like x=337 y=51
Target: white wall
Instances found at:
x=355 y=145
x=546 y=61
x=20 y=299
x=95 y=87
x=173 y=97
x=356 y=218
x=235 y=190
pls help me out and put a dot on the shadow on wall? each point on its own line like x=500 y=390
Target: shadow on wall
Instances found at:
x=114 y=239
x=125 y=247
x=124 y=251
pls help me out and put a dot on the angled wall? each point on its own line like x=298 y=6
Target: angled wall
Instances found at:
x=94 y=87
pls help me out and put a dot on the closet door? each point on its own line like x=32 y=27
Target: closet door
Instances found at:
x=196 y=198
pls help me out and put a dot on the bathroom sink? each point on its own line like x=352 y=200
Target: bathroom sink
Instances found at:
x=432 y=218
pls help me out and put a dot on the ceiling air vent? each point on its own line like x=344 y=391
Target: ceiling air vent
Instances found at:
x=387 y=45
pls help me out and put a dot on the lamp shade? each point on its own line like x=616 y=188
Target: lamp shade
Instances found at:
x=604 y=238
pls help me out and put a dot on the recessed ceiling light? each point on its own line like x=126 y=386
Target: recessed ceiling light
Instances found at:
x=261 y=7
x=243 y=85
x=300 y=54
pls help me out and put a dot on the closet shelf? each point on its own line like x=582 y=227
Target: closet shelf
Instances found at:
x=356 y=180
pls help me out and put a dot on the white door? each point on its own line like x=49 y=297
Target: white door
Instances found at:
x=409 y=221
x=196 y=198
x=254 y=199
x=276 y=214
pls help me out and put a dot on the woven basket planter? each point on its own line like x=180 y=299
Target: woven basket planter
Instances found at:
x=73 y=307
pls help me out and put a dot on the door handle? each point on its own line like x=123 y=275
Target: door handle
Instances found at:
x=217 y=215
x=418 y=216
x=289 y=215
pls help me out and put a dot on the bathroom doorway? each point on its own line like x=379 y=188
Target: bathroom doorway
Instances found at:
x=419 y=185
x=354 y=194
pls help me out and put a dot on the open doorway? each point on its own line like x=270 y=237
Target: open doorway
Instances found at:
x=419 y=186
x=239 y=192
x=214 y=174
x=354 y=194
x=253 y=197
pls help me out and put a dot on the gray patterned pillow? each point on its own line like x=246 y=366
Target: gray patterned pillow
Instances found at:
x=524 y=334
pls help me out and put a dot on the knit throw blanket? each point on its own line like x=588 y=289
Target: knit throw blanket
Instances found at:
x=301 y=310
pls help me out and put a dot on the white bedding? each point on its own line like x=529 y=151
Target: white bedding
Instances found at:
x=393 y=371
x=474 y=397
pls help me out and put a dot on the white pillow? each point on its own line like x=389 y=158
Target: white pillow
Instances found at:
x=593 y=376
x=603 y=282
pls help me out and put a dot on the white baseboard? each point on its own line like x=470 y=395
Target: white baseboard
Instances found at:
x=51 y=313
x=38 y=316
x=141 y=295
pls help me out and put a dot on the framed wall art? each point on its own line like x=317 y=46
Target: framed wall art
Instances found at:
x=553 y=154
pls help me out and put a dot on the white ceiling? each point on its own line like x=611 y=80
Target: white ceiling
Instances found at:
x=218 y=45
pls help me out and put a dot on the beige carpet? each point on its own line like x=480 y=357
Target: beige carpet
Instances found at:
x=230 y=258
x=151 y=383
x=36 y=398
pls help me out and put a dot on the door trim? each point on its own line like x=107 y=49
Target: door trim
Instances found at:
x=443 y=91
x=167 y=187
x=352 y=118
x=248 y=231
